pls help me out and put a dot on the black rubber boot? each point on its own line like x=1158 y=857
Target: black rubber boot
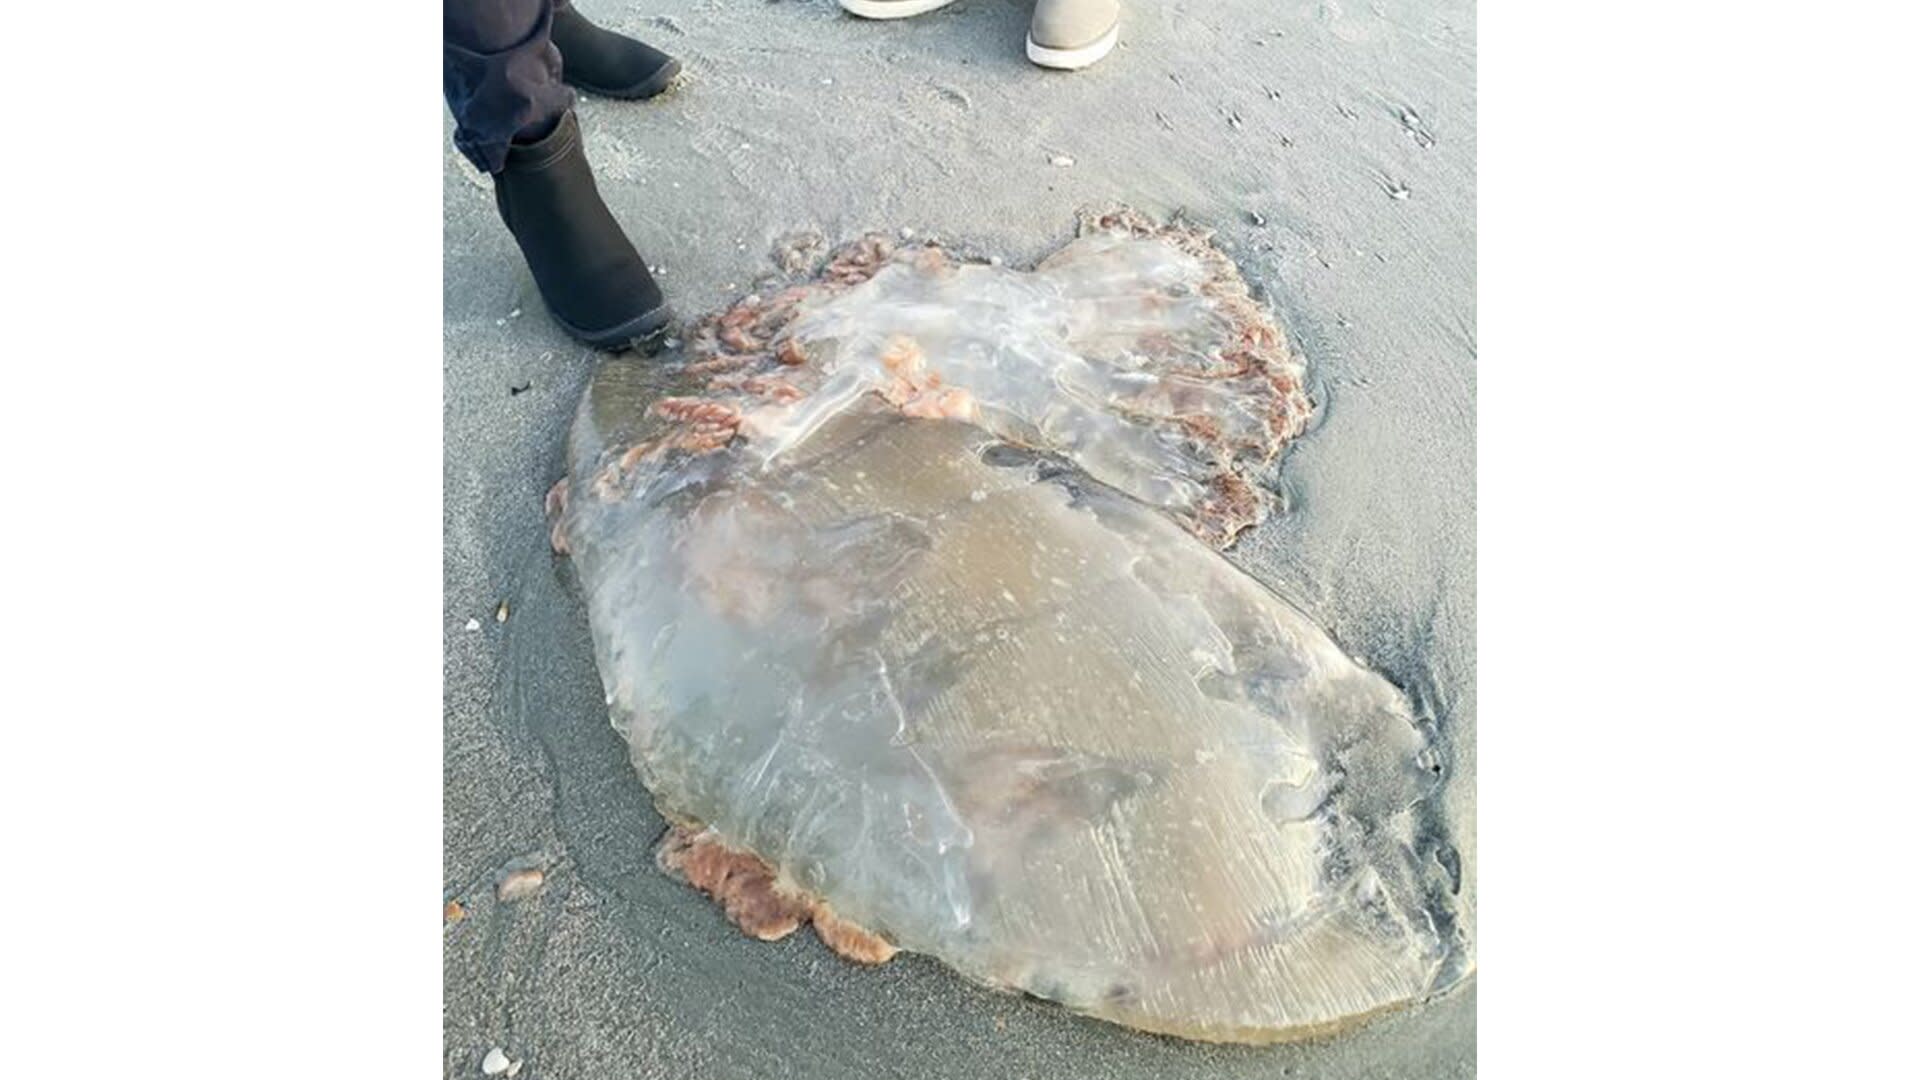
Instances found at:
x=602 y=62
x=595 y=284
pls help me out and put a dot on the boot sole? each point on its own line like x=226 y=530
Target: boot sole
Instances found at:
x=897 y=9
x=655 y=84
x=623 y=336
x=1072 y=59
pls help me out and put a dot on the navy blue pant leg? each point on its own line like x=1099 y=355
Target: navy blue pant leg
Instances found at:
x=502 y=75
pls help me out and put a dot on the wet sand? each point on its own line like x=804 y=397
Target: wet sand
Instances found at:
x=1332 y=147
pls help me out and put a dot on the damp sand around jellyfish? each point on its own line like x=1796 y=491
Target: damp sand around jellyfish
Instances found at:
x=905 y=591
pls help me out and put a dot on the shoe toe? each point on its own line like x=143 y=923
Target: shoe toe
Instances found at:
x=1075 y=25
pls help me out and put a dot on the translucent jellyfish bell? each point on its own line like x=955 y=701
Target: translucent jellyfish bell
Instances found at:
x=906 y=596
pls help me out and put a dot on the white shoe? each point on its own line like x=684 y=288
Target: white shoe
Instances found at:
x=892 y=9
x=1072 y=34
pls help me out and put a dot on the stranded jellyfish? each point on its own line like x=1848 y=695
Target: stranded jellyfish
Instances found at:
x=906 y=592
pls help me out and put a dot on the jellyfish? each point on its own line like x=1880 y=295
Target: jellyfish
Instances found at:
x=906 y=591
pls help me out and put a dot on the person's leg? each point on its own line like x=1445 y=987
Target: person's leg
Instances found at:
x=514 y=118
x=602 y=62
x=501 y=75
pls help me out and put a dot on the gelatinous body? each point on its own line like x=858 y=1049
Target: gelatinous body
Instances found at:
x=905 y=589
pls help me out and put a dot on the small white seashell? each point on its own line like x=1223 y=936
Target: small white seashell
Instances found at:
x=1061 y=160
x=513 y=1070
x=520 y=884
x=473 y=624
x=495 y=1062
